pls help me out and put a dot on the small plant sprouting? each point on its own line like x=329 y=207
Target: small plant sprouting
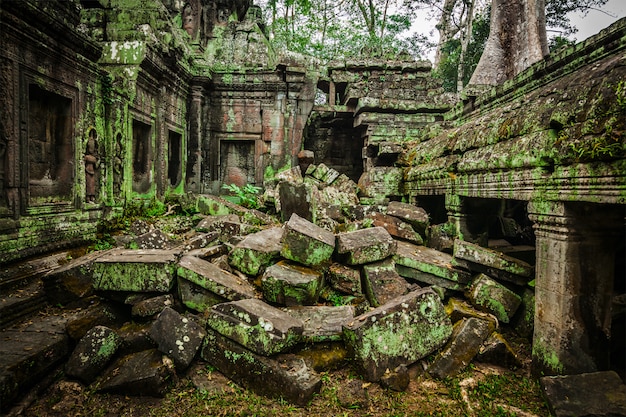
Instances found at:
x=246 y=195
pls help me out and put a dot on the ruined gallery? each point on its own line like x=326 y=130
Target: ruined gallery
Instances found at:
x=253 y=201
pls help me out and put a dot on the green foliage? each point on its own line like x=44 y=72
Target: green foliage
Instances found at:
x=246 y=195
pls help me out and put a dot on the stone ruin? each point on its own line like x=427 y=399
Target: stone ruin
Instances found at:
x=108 y=104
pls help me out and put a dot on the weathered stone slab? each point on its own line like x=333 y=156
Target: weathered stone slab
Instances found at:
x=197 y=298
x=467 y=338
x=146 y=373
x=489 y=295
x=148 y=270
x=289 y=284
x=135 y=338
x=397 y=228
x=200 y=241
x=414 y=215
x=226 y=225
x=440 y=239
x=493 y=263
x=92 y=354
x=430 y=266
x=306 y=243
x=324 y=174
x=70 y=282
x=365 y=245
x=525 y=316
x=400 y=332
x=591 y=394
x=497 y=351
x=256 y=325
x=211 y=278
x=152 y=306
x=257 y=251
x=284 y=376
x=102 y=314
x=322 y=323
x=397 y=379
x=296 y=198
x=458 y=309
x=177 y=336
x=382 y=283
x=154 y=239
x=344 y=279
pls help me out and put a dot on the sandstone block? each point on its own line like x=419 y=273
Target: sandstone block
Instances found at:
x=382 y=282
x=325 y=174
x=152 y=306
x=256 y=325
x=177 y=336
x=344 y=279
x=284 y=376
x=397 y=379
x=256 y=251
x=92 y=354
x=70 y=282
x=489 y=295
x=414 y=215
x=493 y=263
x=497 y=351
x=148 y=270
x=197 y=298
x=200 y=241
x=467 y=338
x=365 y=245
x=146 y=373
x=296 y=198
x=458 y=309
x=226 y=225
x=289 y=284
x=429 y=266
x=306 y=243
x=154 y=239
x=397 y=228
x=400 y=332
x=322 y=323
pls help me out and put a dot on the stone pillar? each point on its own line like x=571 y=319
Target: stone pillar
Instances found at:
x=194 y=142
x=458 y=216
x=575 y=244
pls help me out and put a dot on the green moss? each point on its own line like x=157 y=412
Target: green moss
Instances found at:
x=547 y=357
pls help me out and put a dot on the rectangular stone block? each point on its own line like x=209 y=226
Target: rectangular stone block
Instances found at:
x=489 y=295
x=397 y=228
x=322 y=323
x=289 y=284
x=306 y=243
x=214 y=279
x=283 y=376
x=256 y=251
x=344 y=279
x=402 y=331
x=365 y=245
x=256 y=325
x=149 y=270
x=426 y=261
x=493 y=263
x=414 y=215
x=382 y=282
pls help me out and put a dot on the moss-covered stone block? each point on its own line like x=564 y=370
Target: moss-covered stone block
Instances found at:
x=322 y=323
x=92 y=354
x=290 y=284
x=306 y=243
x=344 y=279
x=365 y=245
x=397 y=228
x=414 y=215
x=400 y=332
x=489 y=295
x=256 y=251
x=149 y=270
x=382 y=283
x=256 y=325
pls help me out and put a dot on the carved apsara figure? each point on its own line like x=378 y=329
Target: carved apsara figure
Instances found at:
x=91 y=165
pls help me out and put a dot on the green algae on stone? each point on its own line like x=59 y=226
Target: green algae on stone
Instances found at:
x=306 y=243
x=291 y=284
x=491 y=296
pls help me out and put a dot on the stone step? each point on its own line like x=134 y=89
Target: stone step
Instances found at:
x=27 y=352
x=20 y=303
x=17 y=274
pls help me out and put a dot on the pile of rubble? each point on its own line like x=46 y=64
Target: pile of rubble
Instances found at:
x=251 y=296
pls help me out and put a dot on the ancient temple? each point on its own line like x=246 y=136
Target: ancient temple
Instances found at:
x=109 y=101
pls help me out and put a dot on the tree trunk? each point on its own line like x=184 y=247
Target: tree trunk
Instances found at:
x=466 y=36
x=517 y=39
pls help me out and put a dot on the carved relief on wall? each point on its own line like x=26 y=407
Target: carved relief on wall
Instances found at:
x=91 y=167
x=118 y=167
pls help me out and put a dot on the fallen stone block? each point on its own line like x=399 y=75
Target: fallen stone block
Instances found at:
x=256 y=251
x=322 y=323
x=429 y=266
x=197 y=298
x=414 y=215
x=525 y=316
x=283 y=376
x=381 y=182
x=292 y=175
x=289 y=284
x=209 y=277
x=324 y=173
x=72 y=281
x=458 y=309
x=154 y=239
x=146 y=373
x=397 y=379
x=365 y=245
x=489 y=295
x=135 y=338
x=148 y=270
x=306 y=243
x=296 y=198
x=493 y=263
x=344 y=279
x=324 y=356
x=382 y=283
x=152 y=306
x=497 y=351
x=336 y=197
x=226 y=225
x=591 y=394
x=92 y=354
x=177 y=336
x=200 y=241
x=467 y=337
x=397 y=228
x=402 y=331
x=440 y=239
x=256 y=325
x=209 y=252
x=100 y=313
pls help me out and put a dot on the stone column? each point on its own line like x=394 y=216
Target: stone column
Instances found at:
x=194 y=141
x=458 y=216
x=575 y=245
